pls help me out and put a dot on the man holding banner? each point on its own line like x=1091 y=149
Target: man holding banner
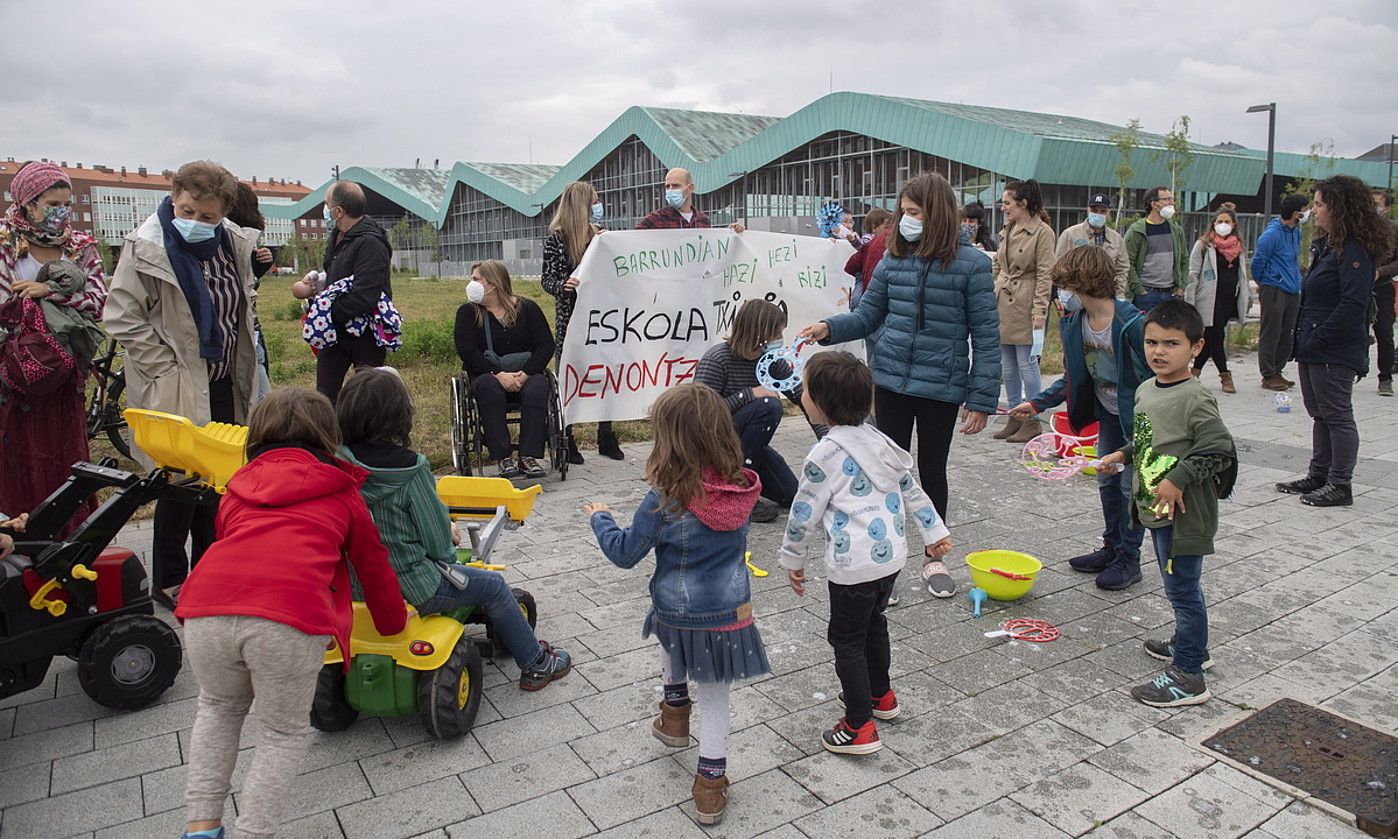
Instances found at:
x=678 y=211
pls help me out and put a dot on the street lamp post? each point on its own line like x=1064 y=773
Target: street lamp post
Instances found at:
x=1271 y=109
x=1391 y=140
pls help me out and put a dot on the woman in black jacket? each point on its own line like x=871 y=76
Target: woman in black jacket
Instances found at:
x=1332 y=333
x=505 y=345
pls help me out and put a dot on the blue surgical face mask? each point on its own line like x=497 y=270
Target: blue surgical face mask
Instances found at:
x=597 y=211
x=674 y=197
x=325 y=210
x=1070 y=300
x=193 y=231
x=910 y=227
x=1097 y=220
x=774 y=344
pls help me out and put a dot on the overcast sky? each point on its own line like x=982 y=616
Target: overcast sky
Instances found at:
x=289 y=89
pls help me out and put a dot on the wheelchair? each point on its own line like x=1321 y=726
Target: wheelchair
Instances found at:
x=468 y=454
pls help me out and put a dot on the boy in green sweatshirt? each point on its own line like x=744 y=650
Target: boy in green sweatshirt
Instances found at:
x=1184 y=461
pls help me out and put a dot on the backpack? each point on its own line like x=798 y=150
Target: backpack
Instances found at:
x=32 y=362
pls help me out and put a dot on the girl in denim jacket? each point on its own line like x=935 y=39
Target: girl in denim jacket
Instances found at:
x=695 y=517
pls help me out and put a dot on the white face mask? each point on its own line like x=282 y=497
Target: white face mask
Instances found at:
x=1223 y=228
x=1167 y=212
x=475 y=291
x=1305 y=215
x=910 y=227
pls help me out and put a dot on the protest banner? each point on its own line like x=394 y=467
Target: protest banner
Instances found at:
x=650 y=302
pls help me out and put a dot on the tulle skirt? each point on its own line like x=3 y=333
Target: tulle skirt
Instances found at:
x=711 y=655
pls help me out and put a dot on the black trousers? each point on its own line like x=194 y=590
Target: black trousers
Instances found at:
x=859 y=634
x=1215 y=348
x=492 y=400
x=1383 y=329
x=936 y=421
x=335 y=361
x=178 y=523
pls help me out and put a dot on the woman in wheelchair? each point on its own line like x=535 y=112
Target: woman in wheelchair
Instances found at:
x=505 y=345
x=375 y=413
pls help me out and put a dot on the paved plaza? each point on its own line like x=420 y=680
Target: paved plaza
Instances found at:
x=996 y=739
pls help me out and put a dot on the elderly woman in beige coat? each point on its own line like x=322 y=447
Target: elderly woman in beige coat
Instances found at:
x=182 y=304
x=1022 y=286
x=1220 y=288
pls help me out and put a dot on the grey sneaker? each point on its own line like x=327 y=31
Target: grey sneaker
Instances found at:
x=1385 y=387
x=1165 y=651
x=508 y=468
x=1172 y=689
x=530 y=468
x=555 y=665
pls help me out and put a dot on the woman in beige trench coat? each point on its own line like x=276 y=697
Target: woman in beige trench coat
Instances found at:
x=182 y=304
x=1022 y=287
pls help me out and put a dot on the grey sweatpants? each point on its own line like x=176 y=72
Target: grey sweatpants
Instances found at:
x=1277 y=333
x=235 y=659
x=1328 y=391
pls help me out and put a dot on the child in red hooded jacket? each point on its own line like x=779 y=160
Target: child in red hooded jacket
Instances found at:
x=262 y=604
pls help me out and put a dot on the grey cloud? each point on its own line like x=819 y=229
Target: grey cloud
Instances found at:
x=283 y=89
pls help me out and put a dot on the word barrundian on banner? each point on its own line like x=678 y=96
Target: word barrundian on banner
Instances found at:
x=650 y=302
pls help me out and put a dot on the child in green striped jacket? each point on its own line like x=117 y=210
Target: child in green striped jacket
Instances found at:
x=375 y=413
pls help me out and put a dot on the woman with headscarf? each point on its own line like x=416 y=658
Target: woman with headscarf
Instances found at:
x=182 y=306
x=35 y=235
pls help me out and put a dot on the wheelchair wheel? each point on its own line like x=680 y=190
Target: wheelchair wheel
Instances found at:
x=465 y=433
x=557 y=441
x=450 y=696
x=330 y=711
x=531 y=614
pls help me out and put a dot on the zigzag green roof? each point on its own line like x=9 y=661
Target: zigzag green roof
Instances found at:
x=713 y=146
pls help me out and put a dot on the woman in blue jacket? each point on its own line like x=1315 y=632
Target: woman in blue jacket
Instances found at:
x=1332 y=333
x=931 y=293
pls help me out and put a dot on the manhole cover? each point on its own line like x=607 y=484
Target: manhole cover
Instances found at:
x=1348 y=765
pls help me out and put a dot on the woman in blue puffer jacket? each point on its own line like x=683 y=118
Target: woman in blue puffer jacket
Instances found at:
x=931 y=293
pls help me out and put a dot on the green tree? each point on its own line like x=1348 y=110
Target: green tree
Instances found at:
x=1126 y=143
x=1177 y=154
x=1319 y=165
x=429 y=241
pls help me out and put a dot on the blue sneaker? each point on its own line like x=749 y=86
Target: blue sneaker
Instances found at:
x=1173 y=688
x=216 y=833
x=1119 y=575
x=1165 y=651
x=554 y=665
x=1094 y=562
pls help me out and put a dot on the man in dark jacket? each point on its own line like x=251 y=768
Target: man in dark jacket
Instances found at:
x=358 y=248
x=1383 y=299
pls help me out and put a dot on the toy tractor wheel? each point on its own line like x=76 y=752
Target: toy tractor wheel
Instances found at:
x=129 y=662
x=330 y=711
x=531 y=614
x=449 y=697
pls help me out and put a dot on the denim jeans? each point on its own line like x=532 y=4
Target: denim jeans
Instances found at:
x=1328 y=393
x=756 y=422
x=858 y=632
x=1118 y=535
x=1181 y=575
x=489 y=590
x=1021 y=375
x=1152 y=297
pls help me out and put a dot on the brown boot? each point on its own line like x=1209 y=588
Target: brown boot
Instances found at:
x=671 y=727
x=1227 y=380
x=1012 y=425
x=710 y=798
x=1027 y=431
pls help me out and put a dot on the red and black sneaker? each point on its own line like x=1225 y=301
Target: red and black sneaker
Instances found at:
x=886 y=707
x=842 y=739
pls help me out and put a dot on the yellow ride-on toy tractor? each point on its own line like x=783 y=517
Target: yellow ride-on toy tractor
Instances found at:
x=431 y=668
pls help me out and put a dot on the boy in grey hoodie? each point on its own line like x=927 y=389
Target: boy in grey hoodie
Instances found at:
x=853 y=488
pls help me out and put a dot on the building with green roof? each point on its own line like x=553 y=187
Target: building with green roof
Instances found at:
x=774 y=172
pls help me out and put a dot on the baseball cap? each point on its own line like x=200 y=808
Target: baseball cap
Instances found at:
x=1098 y=198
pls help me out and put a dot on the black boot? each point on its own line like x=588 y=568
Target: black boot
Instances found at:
x=573 y=456
x=607 y=444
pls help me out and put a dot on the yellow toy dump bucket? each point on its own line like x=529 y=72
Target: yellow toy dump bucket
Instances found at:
x=1005 y=575
x=210 y=452
x=472 y=497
